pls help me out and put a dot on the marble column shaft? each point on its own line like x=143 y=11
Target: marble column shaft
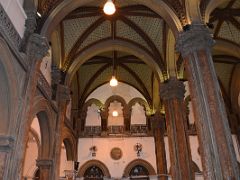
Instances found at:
x=45 y=168
x=37 y=47
x=172 y=94
x=63 y=98
x=158 y=127
x=216 y=147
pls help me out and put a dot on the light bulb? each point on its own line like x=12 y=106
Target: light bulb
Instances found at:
x=109 y=8
x=113 y=81
x=114 y=113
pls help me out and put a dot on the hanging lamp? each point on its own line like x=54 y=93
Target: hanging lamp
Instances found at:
x=109 y=7
x=113 y=82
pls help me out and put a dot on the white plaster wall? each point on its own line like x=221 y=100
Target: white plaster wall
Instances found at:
x=36 y=127
x=187 y=93
x=104 y=146
x=118 y=120
x=64 y=164
x=30 y=159
x=16 y=14
x=124 y=90
x=194 y=145
x=46 y=66
x=138 y=115
x=194 y=152
x=93 y=117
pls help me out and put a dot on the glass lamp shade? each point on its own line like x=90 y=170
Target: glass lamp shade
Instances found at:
x=113 y=81
x=114 y=113
x=109 y=8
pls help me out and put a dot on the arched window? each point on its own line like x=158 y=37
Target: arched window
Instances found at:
x=139 y=172
x=93 y=173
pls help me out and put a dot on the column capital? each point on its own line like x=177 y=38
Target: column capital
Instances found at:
x=37 y=46
x=44 y=163
x=157 y=121
x=63 y=93
x=196 y=38
x=172 y=89
x=6 y=143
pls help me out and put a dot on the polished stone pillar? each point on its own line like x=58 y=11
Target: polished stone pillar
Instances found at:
x=216 y=147
x=158 y=128
x=6 y=147
x=37 y=48
x=172 y=94
x=63 y=98
x=45 y=169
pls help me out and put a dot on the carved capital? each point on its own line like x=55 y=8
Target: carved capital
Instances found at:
x=37 y=46
x=157 y=121
x=63 y=93
x=44 y=163
x=6 y=143
x=172 y=89
x=196 y=38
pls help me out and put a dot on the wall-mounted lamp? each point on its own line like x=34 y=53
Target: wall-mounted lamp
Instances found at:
x=93 y=150
x=109 y=7
x=138 y=149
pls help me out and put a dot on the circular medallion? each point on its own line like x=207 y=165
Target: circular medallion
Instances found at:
x=116 y=153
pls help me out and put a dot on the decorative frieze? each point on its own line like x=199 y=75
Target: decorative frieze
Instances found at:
x=8 y=29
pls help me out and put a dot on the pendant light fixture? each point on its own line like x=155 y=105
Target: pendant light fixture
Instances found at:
x=109 y=7
x=114 y=81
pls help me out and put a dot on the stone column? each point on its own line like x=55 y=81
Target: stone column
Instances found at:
x=63 y=98
x=45 y=168
x=37 y=48
x=6 y=147
x=158 y=128
x=172 y=94
x=216 y=147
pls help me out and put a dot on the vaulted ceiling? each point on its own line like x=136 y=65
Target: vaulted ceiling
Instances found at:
x=136 y=24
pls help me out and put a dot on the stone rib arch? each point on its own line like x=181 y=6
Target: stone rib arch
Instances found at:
x=136 y=162
x=110 y=45
x=70 y=144
x=67 y=6
x=85 y=109
x=42 y=110
x=8 y=90
x=97 y=163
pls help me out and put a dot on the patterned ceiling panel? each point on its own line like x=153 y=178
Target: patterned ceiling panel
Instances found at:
x=224 y=71
x=156 y=33
x=145 y=73
x=101 y=32
x=118 y=3
x=124 y=31
x=85 y=73
x=229 y=32
x=73 y=28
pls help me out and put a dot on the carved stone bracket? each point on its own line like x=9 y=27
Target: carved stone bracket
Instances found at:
x=198 y=37
x=6 y=143
x=37 y=47
x=172 y=89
